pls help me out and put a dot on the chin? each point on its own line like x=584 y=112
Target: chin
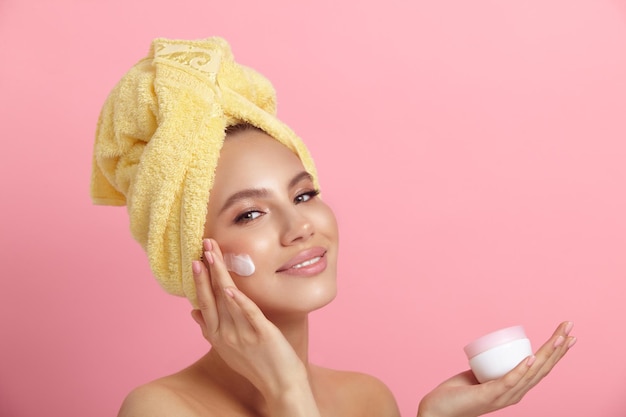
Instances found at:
x=326 y=296
x=320 y=294
x=300 y=303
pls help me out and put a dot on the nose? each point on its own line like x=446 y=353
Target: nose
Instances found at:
x=297 y=227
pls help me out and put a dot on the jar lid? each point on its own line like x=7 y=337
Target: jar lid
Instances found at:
x=493 y=339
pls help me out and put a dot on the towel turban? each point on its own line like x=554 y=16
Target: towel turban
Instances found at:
x=158 y=141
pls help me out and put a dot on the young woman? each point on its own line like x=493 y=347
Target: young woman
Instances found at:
x=263 y=203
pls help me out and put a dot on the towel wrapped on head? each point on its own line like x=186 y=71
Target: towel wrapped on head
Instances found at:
x=158 y=142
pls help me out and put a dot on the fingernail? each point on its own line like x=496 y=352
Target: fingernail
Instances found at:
x=568 y=327
x=206 y=243
x=209 y=257
x=229 y=292
x=559 y=341
x=531 y=360
x=195 y=267
x=572 y=342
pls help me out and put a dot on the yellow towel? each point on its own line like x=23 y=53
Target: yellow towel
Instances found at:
x=158 y=140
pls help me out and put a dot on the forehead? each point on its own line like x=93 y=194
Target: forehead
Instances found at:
x=253 y=159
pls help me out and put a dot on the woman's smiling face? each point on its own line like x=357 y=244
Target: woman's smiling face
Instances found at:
x=264 y=204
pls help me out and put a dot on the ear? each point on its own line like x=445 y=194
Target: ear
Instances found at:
x=197 y=317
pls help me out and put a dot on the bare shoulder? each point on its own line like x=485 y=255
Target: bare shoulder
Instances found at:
x=370 y=393
x=155 y=399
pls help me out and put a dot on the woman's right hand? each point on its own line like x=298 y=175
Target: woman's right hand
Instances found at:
x=247 y=341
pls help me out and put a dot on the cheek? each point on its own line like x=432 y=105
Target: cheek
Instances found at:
x=261 y=250
x=326 y=222
x=254 y=243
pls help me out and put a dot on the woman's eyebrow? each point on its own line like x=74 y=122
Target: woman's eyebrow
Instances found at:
x=301 y=176
x=261 y=192
x=242 y=195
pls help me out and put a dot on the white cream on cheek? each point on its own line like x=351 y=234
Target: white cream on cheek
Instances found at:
x=239 y=264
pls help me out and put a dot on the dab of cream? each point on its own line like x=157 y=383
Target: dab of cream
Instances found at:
x=239 y=264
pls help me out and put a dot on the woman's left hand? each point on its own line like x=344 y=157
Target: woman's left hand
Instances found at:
x=463 y=396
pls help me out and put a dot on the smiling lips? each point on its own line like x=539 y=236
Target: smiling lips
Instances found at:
x=307 y=263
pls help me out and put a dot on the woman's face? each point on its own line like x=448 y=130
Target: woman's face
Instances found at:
x=264 y=204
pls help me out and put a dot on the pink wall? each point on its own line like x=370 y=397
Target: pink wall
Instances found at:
x=475 y=153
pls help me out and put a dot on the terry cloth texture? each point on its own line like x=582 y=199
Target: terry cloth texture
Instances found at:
x=158 y=141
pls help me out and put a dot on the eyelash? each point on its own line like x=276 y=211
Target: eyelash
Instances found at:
x=310 y=194
x=245 y=216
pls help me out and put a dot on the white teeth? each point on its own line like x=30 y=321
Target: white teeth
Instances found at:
x=307 y=263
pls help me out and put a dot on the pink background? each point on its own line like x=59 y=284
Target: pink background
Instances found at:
x=474 y=152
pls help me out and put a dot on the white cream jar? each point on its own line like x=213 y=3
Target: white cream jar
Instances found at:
x=494 y=354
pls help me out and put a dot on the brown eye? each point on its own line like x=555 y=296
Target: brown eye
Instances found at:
x=248 y=216
x=304 y=197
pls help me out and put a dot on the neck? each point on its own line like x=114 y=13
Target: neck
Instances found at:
x=295 y=330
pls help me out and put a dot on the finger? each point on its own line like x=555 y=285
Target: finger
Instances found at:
x=506 y=389
x=213 y=251
x=204 y=294
x=553 y=351
x=545 y=358
x=554 y=348
x=219 y=278
x=246 y=314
